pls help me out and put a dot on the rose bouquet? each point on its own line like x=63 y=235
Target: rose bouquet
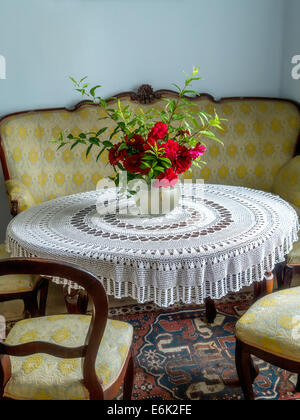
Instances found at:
x=152 y=144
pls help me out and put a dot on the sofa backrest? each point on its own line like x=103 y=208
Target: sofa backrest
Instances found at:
x=260 y=136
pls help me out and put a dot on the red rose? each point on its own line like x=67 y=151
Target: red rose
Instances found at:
x=179 y=155
x=197 y=151
x=136 y=141
x=171 y=149
x=133 y=164
x=183 y=160
x=114 y=156
x=159 y=131
x=167 y=179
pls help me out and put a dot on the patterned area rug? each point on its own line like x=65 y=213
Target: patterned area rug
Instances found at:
x=179 y=357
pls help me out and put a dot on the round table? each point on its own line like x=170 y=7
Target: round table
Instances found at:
x=219 y=240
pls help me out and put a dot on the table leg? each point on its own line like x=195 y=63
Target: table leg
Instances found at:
x=76 y=300
x=264 y=287
x=269 y=282
x=210 y=310
x=287 y=276
x=257 y=290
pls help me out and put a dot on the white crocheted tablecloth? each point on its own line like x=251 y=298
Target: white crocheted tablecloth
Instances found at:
x=220 y=239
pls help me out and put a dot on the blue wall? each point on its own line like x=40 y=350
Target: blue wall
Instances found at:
x=291 y=46
x=123 y=43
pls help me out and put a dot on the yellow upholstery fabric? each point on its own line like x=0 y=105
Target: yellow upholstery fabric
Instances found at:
x=294 y=255
x=287 y=181
x=273 y=324
x=17 y=191
x=41 y=376
x=259 y=139
x=13 y=284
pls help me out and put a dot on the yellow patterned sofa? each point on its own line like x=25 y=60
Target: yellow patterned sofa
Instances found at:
x=260 y=137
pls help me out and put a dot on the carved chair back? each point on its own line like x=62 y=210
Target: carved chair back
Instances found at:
x=89 y=350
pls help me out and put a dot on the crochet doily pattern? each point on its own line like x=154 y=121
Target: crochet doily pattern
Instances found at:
x=219 y=239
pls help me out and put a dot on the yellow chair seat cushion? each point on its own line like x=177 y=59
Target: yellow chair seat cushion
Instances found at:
x=15 y=284
x=41 y=376
x=272 y=324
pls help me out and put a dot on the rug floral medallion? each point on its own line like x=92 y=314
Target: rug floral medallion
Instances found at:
x=179 y=357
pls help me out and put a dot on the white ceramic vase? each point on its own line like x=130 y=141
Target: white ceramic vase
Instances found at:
x=157 y=201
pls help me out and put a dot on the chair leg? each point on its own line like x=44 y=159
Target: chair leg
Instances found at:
x=76 y=301
x=43 y=297
x=298 y=384
x=279 y=270
x=243 y=367
x=288 y=276
x=128 y=380
x=257 y=291
x=31 y=306
x=210 y=310
x=254 y=371
x=5 y=372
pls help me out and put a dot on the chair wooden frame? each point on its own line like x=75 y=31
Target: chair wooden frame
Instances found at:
x=247 y=372
x=88 y=352
x=30 y=298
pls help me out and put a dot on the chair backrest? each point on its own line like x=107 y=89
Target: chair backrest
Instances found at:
x=96 y=291
x=260 y=136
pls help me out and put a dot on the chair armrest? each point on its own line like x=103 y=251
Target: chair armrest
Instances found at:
x=20 y=197
x=287 y=181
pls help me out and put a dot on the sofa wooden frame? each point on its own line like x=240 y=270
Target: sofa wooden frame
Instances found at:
x=146 y=95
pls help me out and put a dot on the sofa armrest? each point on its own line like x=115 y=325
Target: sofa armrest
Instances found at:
x=287 y=181
x=20 y=197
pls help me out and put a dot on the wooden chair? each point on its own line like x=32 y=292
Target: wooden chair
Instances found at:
x=269 y=330
x=26 y=288
x=67 y=356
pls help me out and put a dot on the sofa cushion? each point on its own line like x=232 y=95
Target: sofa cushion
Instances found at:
x=259 y=137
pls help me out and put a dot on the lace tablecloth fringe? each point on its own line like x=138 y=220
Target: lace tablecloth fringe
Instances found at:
x=121 y=288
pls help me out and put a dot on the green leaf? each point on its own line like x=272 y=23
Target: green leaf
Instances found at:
x=101 y=131
x=123 y=146
x=93 y=90
x=107 y=143
x=84 y=78
x=99 y=154
x=88 y=150
x=61 y=145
